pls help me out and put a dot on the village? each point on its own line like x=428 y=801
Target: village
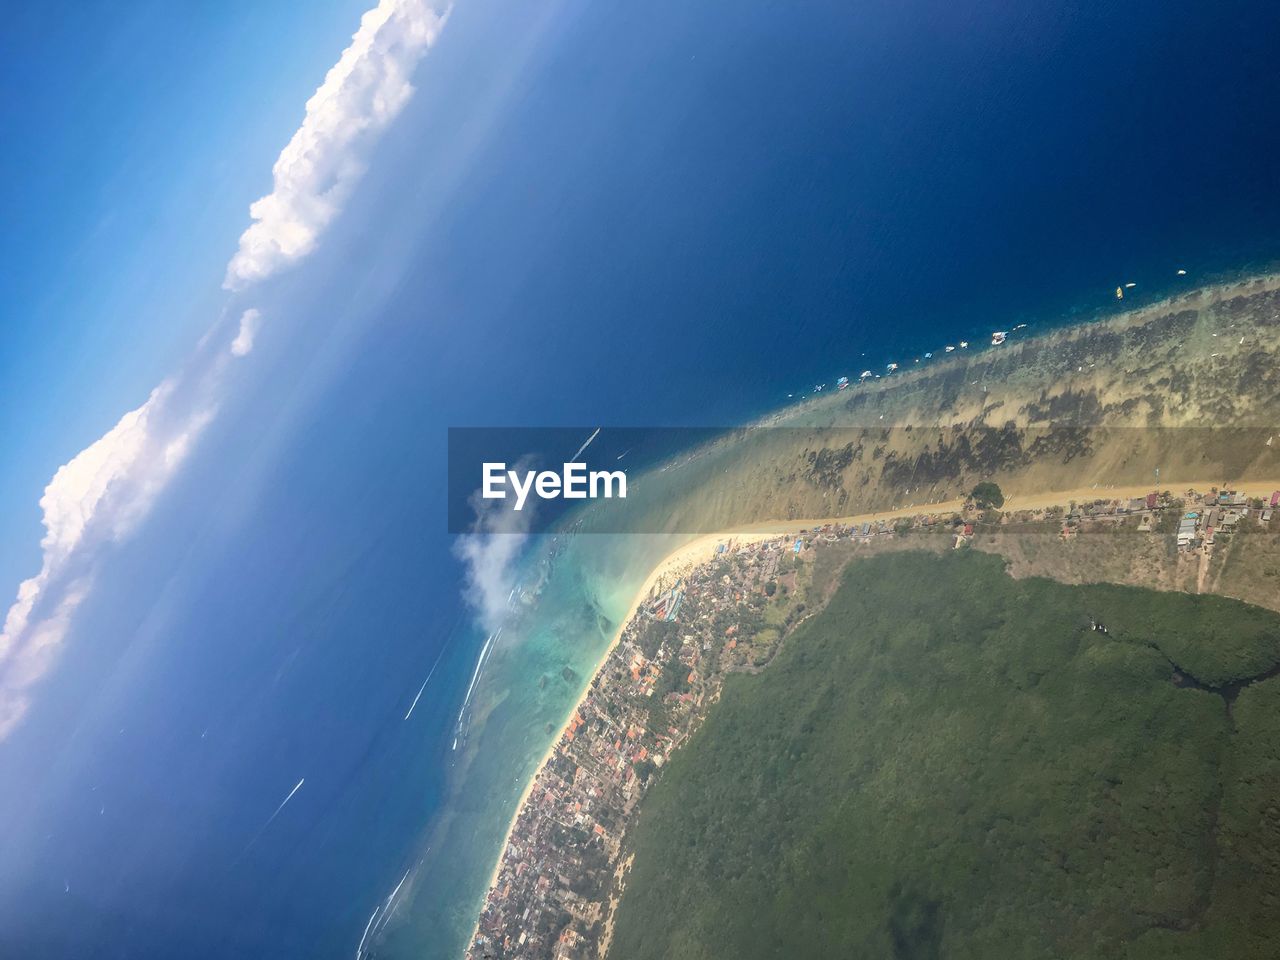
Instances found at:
x=559 y=874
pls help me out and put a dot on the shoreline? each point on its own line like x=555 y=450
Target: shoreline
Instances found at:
x=702 y=548
x=1213 y=291
x=686 y=556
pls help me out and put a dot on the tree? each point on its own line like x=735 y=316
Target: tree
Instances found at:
x=987 y=495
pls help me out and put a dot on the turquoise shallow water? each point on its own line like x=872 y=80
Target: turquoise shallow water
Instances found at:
x=538 y=668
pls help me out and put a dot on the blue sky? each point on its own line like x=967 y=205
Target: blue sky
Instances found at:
x=137 y=157
x=135 y=138
x=171 y=167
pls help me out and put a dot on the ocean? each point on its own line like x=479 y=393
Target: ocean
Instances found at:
x=666 y=215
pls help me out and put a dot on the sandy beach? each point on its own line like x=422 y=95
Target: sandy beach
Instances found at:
x=703 y=547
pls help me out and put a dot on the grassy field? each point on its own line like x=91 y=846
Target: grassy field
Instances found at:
x=949 y=762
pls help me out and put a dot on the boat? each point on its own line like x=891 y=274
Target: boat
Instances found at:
x=998 y=337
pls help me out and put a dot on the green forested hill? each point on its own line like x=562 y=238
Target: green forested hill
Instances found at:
x=949 y=763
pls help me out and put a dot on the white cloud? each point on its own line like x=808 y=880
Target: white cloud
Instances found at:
x=250 y=321
x=489 y=554
x=96 y=498
x=99 y=474
x=102 y=493
x=316 y=171
x=35 y=656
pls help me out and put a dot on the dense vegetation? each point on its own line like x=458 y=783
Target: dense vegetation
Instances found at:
x=947 y=762
x=987 y=495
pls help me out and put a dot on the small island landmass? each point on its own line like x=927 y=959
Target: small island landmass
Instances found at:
x=1056 y=490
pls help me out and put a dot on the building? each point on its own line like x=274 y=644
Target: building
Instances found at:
x=1187 y=529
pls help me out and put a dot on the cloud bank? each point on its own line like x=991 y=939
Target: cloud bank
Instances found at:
x=316 y=171
x=105 y=491
x=95 y=499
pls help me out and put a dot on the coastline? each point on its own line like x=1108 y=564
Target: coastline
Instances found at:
x=702 y=548
x=686 y=556
x=1198 y=295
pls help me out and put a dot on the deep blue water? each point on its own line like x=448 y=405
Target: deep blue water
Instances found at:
x=670 y=213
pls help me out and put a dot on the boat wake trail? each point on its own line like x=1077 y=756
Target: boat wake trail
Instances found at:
x=463 y=714
x=418 y=697
x=270 y=820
